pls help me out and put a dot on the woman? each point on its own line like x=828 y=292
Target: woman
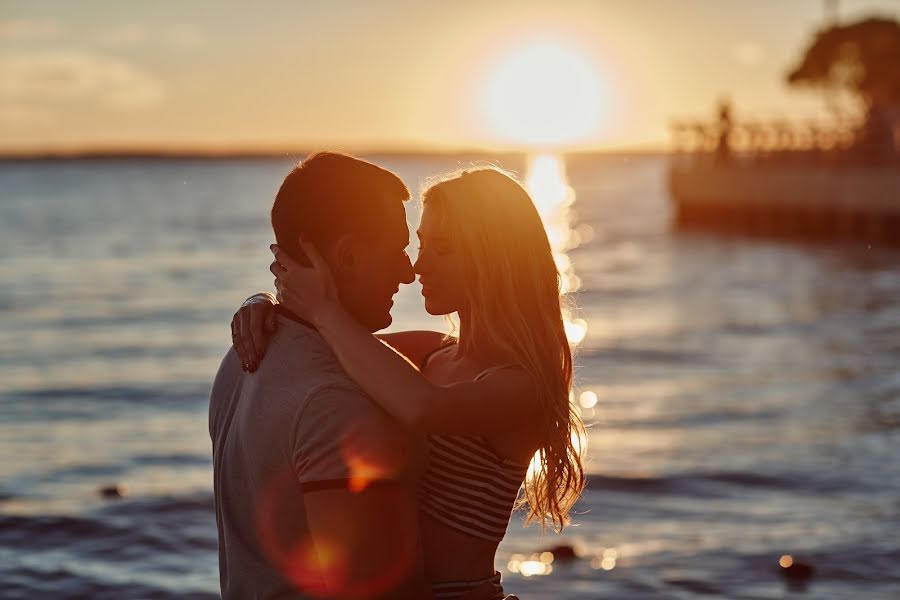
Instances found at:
x=491 y=398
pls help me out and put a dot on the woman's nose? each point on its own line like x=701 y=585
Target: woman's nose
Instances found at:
x=418 y=266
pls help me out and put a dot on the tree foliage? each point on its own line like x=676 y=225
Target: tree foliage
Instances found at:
x=861 y=58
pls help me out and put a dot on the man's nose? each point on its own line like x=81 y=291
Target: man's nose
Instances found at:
x=419 y=266
x=407 y=274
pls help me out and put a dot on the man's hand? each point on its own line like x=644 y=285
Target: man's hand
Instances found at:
x=251 y=327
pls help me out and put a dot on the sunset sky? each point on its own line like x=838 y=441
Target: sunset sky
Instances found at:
x=394 y=75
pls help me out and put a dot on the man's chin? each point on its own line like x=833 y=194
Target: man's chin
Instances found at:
x=382 y=322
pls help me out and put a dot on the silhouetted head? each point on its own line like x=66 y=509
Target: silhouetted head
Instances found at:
x=352 y=211
x=484 y=253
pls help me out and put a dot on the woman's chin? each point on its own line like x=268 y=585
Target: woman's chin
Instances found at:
x=432 y=308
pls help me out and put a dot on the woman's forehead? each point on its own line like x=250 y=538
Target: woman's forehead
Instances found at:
x=431 y=223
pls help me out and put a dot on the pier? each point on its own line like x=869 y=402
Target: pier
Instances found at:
x=805 y=180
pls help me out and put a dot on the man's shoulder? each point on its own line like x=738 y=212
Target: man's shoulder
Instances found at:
x=343 y=438
x=227 y=377
x=340 y=405
x=341 y=399
x=299 y=358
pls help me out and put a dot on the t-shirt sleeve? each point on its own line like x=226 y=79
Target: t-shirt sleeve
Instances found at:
x=342 y=439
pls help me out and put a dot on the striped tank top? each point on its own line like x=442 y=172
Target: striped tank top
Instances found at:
x=468 y=486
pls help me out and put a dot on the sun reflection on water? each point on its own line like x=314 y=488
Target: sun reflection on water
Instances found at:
x=548 y=186
x=528 y=566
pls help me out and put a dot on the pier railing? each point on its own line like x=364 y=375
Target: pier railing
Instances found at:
x=782 y=141
x=788 y=179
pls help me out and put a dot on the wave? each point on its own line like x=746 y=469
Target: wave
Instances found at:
x=115 y=394
x=143 y=525
x=27 y=581
x=715 y=484
x=646 y=355
x=181 y=459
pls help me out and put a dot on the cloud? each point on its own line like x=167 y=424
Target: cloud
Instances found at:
x=183 y=35
x=59 y=77
x=14 y=30
x=134 y=34
x=15 y=116
x=128 y=34
x=748 y=53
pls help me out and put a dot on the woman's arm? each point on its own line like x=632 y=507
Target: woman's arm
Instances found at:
x=254 y=322
x=416 y=346
x=503 y=400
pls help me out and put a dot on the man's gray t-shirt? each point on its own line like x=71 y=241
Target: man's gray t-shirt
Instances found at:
x=296 y=425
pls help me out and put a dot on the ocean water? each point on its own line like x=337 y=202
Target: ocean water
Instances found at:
x=747 y=391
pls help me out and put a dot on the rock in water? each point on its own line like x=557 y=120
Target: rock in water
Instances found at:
x=114 y=491
x=563 y=552
x=795 y=572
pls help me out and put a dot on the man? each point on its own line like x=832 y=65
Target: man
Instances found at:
x=313 y=482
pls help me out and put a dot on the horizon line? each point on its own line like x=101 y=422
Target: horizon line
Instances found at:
x=211 y=152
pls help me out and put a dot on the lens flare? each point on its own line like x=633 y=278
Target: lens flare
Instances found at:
x=321 y=568
x=372 y=460
x=279 y=531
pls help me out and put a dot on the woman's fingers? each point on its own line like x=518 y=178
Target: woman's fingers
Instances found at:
x=248 y=339
x=303 y=289
x=289 y=265
x=315 y=259
x=283 y=258
x=237 y=340
x=294 y=277
x=259 y=334
x=271 y=324
x=277 y=269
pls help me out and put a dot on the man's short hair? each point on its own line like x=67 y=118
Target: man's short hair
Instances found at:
x=329 y=195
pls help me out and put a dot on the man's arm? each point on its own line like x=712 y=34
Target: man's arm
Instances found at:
x=253 y=323
x=354 y=465
x=366 y=542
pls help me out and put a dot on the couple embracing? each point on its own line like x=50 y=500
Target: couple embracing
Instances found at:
x=350 y=464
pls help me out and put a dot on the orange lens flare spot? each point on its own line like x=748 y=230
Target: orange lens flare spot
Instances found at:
x=286 y=546
x=363 y=472
x=371 y=462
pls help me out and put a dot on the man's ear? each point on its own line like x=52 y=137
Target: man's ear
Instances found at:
x=343 y=253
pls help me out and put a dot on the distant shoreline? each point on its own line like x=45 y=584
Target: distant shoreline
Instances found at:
x=103 y=155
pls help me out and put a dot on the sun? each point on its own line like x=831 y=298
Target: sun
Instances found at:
x=543 y=93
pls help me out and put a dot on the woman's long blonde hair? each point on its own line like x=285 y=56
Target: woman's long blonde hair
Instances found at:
x=512 y=298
